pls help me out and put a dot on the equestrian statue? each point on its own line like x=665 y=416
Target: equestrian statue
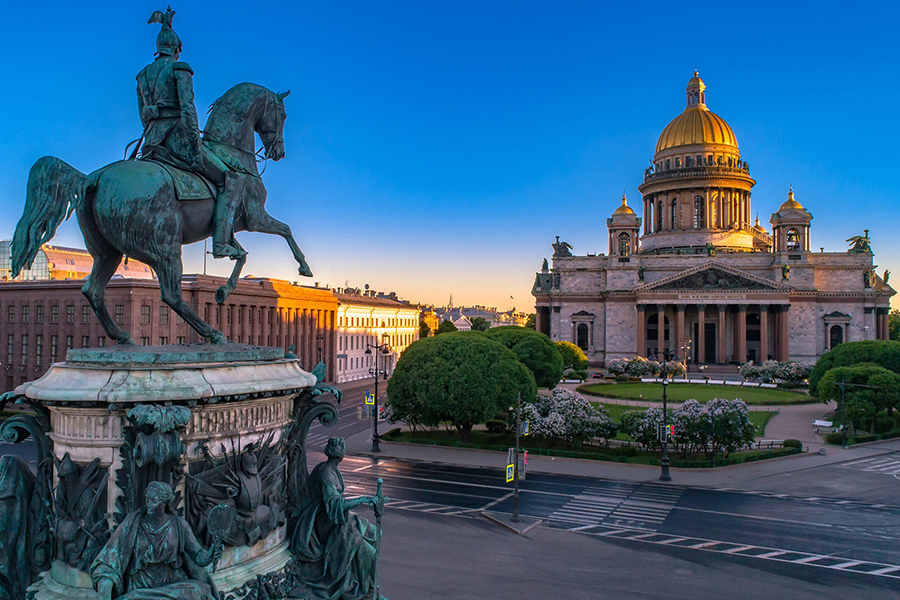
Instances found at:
x=179 y=186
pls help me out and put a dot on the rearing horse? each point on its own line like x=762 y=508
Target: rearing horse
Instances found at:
x=129 y=208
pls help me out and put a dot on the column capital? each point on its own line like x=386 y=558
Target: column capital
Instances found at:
x=679 y=307
x=721 y=307
x=701 y=307
x=742 y=307
x=763 y=308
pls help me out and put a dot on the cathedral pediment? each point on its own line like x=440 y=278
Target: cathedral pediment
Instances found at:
x=716 y=278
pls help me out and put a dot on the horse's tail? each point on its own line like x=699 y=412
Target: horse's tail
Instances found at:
x=54 y=189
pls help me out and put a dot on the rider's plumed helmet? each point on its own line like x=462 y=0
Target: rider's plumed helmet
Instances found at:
x=167 y=42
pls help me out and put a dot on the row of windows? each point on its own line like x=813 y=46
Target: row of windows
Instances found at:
x=356 y=342
x=373 y=322
x=86 y=312
x=709 y=160
x=25 y=340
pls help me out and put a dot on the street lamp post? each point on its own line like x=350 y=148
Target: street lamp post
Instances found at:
x=664 y=460
x=380 y=349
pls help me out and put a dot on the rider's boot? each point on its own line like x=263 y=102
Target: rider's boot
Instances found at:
x=229 y=196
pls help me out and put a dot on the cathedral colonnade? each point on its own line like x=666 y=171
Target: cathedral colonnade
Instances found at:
x=715 y=333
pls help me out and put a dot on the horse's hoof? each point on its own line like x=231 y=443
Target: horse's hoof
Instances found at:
x=304 y=270
x=125 y=341
x=222 y=294
x=218 y=338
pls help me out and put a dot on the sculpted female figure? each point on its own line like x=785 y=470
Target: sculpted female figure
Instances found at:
x=336 y=551
x=153 y=555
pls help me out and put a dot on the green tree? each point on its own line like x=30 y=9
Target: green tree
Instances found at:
x=862 y=403
x=445 y=327
x=894 y=324
x=457 y=378
x=424 y=330
x=881 y=352
x=480 y=324
x=531 y=321
x=534 y=349
x=572 y=356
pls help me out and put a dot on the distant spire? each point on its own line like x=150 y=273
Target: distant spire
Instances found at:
x=451 y=301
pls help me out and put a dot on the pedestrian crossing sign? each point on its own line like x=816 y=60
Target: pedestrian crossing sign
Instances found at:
x=370 y=398
x=510 y=473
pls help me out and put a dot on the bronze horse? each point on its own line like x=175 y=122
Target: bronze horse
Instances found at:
x=129 y=208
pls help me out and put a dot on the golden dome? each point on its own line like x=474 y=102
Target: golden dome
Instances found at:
x=624 y=209
x=697 y=125
x=790 y=203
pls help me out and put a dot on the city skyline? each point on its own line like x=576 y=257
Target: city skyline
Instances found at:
x=432 y=152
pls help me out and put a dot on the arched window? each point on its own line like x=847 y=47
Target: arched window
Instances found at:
x=659 y=216
x=624 y=244
x=792 y=239
x=837 y=335
x=581 y=335
x=699 y=212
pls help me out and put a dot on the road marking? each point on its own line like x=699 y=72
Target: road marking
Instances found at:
x=738 y=549
x=746 y=516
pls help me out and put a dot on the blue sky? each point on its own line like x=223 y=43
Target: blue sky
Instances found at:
x=438 y=147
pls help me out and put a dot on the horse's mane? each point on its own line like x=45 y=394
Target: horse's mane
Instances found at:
x=233 y=100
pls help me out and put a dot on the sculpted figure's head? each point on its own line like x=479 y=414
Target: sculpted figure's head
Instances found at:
x=335 y=448
x=249 y=463
x=157 y=497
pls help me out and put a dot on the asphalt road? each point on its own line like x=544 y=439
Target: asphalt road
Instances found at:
x=802 y=537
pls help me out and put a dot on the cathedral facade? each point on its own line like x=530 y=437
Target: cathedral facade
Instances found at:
x=696 y=278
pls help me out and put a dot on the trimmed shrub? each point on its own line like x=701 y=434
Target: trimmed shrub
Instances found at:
x=889 y=435
x=834 y=438
x=391 y=433
x=861 y=438
x=534 y=350
x=495 y=426
x=792 y=443
x=567 y=417
x=573 y=357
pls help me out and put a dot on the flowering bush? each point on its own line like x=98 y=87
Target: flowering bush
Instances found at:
x=642 y=367
x=717 y=427
x=771 y=371
x=567 y=417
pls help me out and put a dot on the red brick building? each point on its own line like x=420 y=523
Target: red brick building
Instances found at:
x=40 y=320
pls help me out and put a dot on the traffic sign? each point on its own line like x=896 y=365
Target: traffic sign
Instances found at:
x=510 y=473
x=524 y=429
x=370 y=398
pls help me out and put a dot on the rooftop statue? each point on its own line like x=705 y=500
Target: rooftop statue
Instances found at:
x=860 y=243
x=184 y=187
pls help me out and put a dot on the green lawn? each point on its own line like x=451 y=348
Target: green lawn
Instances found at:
x=758 y=417
x=679 y=392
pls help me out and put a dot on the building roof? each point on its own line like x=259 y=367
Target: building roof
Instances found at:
x=624 y=209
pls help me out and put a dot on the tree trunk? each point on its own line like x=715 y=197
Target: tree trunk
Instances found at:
x=465 y=432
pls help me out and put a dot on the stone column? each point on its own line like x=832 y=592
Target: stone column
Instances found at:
x=763 y=333
x=640 y=346
x=701 y=333
x=722 y=357
x=661 y=331
x=740 y=352
x=785 y=332
x=679 y=331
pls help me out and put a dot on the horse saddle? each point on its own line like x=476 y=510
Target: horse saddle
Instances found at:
x=188 y=185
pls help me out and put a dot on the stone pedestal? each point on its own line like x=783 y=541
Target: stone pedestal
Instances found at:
x=237 y=395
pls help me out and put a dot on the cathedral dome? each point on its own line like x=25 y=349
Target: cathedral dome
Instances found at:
x=697 y=125
x=790 y=203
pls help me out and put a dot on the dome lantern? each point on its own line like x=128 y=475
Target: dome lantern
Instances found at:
x=696 y=92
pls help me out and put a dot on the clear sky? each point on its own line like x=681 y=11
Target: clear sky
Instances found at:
x=438 y=147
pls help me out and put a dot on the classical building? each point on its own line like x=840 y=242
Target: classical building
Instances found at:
x=366 y=317
x=40 y=320
x=696 y=276
x=56 y=262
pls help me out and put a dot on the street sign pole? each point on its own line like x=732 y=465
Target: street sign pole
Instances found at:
x=515 y=516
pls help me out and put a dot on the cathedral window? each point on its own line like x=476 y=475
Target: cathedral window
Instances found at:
x=677 y=162
x=624 y=244
x=582 y=336
x=699 y=212
x=659 y=216
x=674 y=213
x=792 y=239
x=668 y=163
x=836 y=335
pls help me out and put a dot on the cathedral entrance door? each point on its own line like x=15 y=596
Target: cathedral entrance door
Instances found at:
x=710 y=338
